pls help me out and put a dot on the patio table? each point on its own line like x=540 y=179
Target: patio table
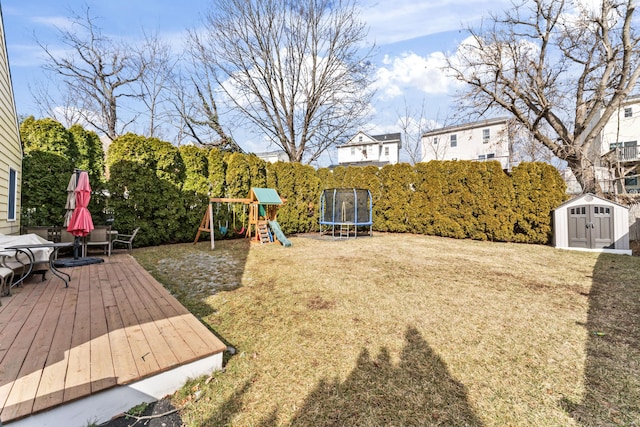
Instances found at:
x=28 y=250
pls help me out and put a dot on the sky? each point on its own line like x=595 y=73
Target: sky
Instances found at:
x=411 y=37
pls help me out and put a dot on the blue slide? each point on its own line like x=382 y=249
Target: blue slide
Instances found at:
x=275 y=227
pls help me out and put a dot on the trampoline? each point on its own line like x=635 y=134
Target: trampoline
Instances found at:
x=344 y=210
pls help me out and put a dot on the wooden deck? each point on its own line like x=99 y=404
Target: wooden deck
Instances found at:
x=114 y=325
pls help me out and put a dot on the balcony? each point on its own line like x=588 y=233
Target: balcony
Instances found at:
x=627 y=154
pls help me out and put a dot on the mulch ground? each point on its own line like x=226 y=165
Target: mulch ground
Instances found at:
x=151 y=417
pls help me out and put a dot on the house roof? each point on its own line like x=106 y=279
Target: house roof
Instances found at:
x=377 y=139
x=589 y=198
x=465 y=126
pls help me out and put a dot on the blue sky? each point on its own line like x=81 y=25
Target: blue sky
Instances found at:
x=410 y=37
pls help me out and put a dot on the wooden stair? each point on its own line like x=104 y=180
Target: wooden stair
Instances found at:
x=263 y=232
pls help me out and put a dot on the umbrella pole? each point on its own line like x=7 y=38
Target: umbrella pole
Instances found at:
x=76 y=247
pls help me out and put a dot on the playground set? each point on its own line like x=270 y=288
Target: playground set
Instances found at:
x=344 y=210
x=262 y=227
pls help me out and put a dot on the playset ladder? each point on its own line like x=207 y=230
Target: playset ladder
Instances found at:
x=263 y=232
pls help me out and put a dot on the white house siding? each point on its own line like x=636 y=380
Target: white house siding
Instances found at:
x=10 y=147
x=470 y=142
x=363 y=148
x=622 y=131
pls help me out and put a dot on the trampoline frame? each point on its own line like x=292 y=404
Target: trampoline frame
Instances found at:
x=345 y=227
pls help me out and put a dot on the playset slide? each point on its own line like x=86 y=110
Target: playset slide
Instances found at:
x=275 y=228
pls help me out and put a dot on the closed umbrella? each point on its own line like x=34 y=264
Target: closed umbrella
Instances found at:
x=71 y=200
x=81 y=224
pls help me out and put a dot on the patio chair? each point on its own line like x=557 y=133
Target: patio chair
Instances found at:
x=100 y=237
x=6 y=277
x=66 y=237
x=44 y=232
x=125 y=239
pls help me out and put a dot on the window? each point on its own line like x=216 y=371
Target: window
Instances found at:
x=435 y=140
x=491 y=156
x=360 y=138
x=631 y=182
x=13 y=191
x=486 y=134
x=353 y=151
x=386 y=151
x=454 y=140
x=482 y=157
x=628 y=112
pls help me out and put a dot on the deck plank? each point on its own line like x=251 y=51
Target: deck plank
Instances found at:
x=51 y=389
x=36 y=338
x=157 y=344
x=102 y=372
x=114 y=325
x=77 y=381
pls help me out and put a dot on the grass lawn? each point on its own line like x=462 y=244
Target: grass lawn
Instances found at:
x=410 y=330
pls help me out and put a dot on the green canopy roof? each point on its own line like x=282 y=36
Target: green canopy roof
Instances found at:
x=265 y=196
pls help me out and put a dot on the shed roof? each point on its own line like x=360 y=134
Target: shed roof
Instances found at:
x=590 y=198
x=265 y=196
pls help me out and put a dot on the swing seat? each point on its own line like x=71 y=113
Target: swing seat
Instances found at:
x=240 y=232
x=223 y=230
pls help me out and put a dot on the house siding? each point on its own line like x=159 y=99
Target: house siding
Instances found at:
x=368 y=150
x=10 y=146
x=471 y=143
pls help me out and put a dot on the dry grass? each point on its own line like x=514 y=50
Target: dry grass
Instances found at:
x=411 y=330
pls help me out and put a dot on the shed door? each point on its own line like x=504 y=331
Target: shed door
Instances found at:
x=590 y=226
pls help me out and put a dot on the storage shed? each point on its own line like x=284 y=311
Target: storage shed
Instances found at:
x=591 y=223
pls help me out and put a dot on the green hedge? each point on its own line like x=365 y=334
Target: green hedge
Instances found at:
x=459 y=199
x=165 y=189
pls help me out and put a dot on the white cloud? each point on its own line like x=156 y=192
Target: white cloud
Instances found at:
x=407 y=19
x=411 y=71
x=59 y=22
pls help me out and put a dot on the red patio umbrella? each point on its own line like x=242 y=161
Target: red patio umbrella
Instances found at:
x=81 y=223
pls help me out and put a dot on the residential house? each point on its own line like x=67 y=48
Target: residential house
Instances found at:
x=273 y=156
x=618 y=145
x=484 y=140
x=10 y=147
x=366 y=150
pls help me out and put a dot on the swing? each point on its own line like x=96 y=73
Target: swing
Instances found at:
x=242 y=230
x=223 y=230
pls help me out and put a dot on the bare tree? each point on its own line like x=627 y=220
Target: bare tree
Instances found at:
x=194 y=101
x=155 y=82
x=99 y=71
x=414 y=125
x=561 y=68
x=66 y=107
x=295 y=70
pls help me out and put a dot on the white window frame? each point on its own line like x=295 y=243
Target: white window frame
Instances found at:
x=628 y=112
x=435 y=140
x=12 y=196
x=486 y=135
x=386 y=151
x=453 y=140
x=353 y=151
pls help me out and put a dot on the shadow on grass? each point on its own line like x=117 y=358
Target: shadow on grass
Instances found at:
x=419 y=390
x=612 y=366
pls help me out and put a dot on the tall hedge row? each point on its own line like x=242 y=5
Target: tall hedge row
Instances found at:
x=165 y=190
x=51 y=153
x=168 y=189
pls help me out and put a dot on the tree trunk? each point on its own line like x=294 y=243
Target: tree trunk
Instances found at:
x=585 y=173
